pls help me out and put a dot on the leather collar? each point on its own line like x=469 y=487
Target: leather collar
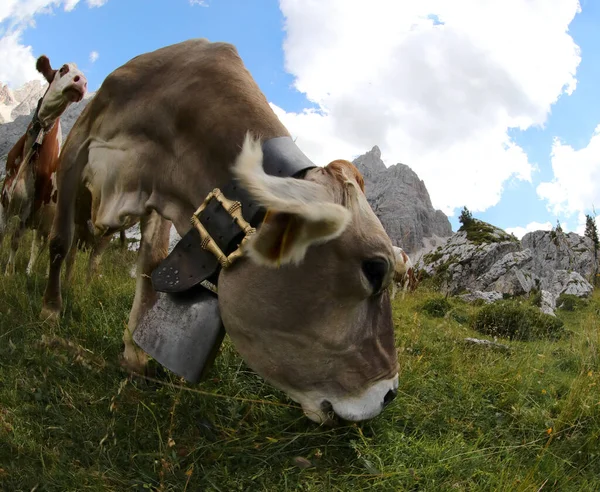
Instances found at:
x=189 y=263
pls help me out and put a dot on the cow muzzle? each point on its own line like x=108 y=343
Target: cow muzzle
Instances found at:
x=367 y=405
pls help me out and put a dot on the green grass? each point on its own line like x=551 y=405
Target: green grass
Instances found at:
x=466 y=418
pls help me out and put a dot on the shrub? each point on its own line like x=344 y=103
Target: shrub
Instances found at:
x=436 y=307
x=535 y=297
x=570 y=302
x=461 y=316
x=515 y=321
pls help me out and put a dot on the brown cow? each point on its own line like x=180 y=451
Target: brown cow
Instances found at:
x=307 y=305
x=29 y=189
x=404 y=273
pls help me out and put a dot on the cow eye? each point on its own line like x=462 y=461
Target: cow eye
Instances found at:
x=375 y=270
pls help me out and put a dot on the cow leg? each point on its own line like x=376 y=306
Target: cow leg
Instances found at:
x=59 y=246
x=394 y=290
x=123 y=239
x=14 y=246
x=2 y=223
x=96 y=255
x=37 y=244
x=70 y=262
x=154 y=247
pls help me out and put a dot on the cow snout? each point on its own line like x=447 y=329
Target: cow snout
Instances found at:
x=389 y=397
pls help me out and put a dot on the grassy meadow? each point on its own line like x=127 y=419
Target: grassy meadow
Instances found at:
x=467 y=417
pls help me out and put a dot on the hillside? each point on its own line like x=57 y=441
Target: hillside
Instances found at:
x=504 y=415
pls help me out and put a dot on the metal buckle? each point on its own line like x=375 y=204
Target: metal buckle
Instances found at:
x=234 y=209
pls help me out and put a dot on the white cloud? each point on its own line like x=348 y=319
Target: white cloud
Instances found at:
x=532 y=226
x=18 y=60
x=575 y=187
x=439 y=97
x=94 y=55
x=201 y=3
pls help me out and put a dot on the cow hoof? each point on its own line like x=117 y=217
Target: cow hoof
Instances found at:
x=138 y=364
x=50 y=315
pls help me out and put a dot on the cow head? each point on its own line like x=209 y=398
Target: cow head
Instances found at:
x=307 y=306
x=67 y=85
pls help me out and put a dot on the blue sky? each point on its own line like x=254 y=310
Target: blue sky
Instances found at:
x=441 y=88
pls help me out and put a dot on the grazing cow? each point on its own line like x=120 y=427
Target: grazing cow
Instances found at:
x=29 y=189
x=404 y=273
x=306 y=305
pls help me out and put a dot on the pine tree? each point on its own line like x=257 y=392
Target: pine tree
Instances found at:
x=465 y=217
x=558 y=227
x=591 y=230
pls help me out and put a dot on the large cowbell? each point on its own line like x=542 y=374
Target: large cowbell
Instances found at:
x=183 y=330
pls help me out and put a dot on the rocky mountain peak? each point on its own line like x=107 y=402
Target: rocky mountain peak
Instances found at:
x=6 y=95
x=21 y=101
x=370 y=163
x=401 y=201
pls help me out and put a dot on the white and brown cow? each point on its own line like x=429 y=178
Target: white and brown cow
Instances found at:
x=307 y=305
x=29 y=190
x=404 y=272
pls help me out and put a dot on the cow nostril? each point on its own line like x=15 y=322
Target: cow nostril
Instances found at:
x=375 y=270
x=76 y=79
x=389 y=397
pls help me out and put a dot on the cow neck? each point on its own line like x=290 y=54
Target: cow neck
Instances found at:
x=36 y=124
x=37 y=130
x=33 y=141
x=189 y=263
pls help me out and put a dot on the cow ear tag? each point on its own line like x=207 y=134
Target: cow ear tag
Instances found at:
x=183 y=332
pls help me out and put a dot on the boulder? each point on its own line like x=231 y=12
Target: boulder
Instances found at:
x=555 y=250
x=548 y=302
x=465 y=265
x=565 y=282
x=509 y=275
x=487 y=297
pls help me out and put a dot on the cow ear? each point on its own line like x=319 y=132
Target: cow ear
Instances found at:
x=285 y=237
x=299 y=213
x=43 y=66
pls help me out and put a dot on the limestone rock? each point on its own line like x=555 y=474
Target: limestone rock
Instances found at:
x=487 y=343
x=553 y=250
x=485 y=258
x=134 y=235
x=564 y=282
x=469 y=266
x=487 y=297
x=548 y=304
